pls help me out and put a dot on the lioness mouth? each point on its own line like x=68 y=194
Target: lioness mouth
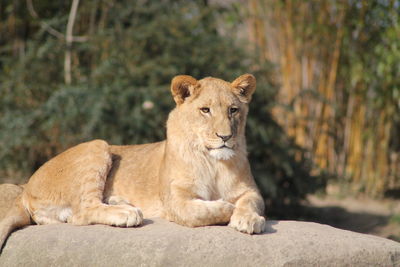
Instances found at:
x=221 y=147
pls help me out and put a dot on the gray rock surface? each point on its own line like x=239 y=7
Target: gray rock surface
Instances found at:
x=162 y=243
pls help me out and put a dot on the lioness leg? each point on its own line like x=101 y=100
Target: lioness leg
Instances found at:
x=51 y=215
x=118 y=215
x=70 y=188
x=183 y=209
x=199 y=212
x=92 y=210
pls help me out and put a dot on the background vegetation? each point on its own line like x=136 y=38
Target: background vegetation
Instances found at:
x=328 y=88
x=110 y=80
x=339 y=70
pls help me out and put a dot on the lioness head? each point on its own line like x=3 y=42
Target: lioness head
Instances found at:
x=211 y=113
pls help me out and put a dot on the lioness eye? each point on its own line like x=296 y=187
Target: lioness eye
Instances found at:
x=233 y=110
x=205 y=110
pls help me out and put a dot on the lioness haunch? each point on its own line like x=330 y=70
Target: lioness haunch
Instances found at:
x=199 y=175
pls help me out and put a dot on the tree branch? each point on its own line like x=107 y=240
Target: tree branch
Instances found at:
x=69 y=40
x=50 y=29
x=46 y=26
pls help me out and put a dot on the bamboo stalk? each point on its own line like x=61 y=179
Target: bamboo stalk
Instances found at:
x=338 y=143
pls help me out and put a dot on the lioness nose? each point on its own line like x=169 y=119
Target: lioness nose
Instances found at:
x=224 y=137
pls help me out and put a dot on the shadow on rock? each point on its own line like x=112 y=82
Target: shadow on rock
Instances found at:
x=336 y=216
x=269 y=229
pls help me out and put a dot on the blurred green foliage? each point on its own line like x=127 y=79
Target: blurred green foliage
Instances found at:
x=369 y=74
x=133 y=50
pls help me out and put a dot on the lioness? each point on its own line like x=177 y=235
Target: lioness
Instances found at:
x=198 y=176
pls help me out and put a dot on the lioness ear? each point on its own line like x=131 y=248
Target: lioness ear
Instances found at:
x=244 y=87
x=182 y=86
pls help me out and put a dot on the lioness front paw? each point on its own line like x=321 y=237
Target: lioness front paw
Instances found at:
x=125 y=216
x=251 y=223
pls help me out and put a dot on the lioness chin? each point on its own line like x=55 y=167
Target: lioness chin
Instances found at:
x=198 y=176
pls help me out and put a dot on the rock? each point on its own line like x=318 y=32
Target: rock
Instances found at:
x=162 y=243
x=8 y=193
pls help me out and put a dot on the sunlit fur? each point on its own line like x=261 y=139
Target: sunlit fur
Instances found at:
x=222 y=153
x=193 y=178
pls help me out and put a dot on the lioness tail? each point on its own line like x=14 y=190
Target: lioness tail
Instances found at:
x=15 y=218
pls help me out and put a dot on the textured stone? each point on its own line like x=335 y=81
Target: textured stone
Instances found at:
x=162 y=243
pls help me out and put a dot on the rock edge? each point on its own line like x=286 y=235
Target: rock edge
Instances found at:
x=162 y=243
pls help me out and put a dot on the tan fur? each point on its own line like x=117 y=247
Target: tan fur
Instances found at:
x=193 y=178
x=8 y=195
